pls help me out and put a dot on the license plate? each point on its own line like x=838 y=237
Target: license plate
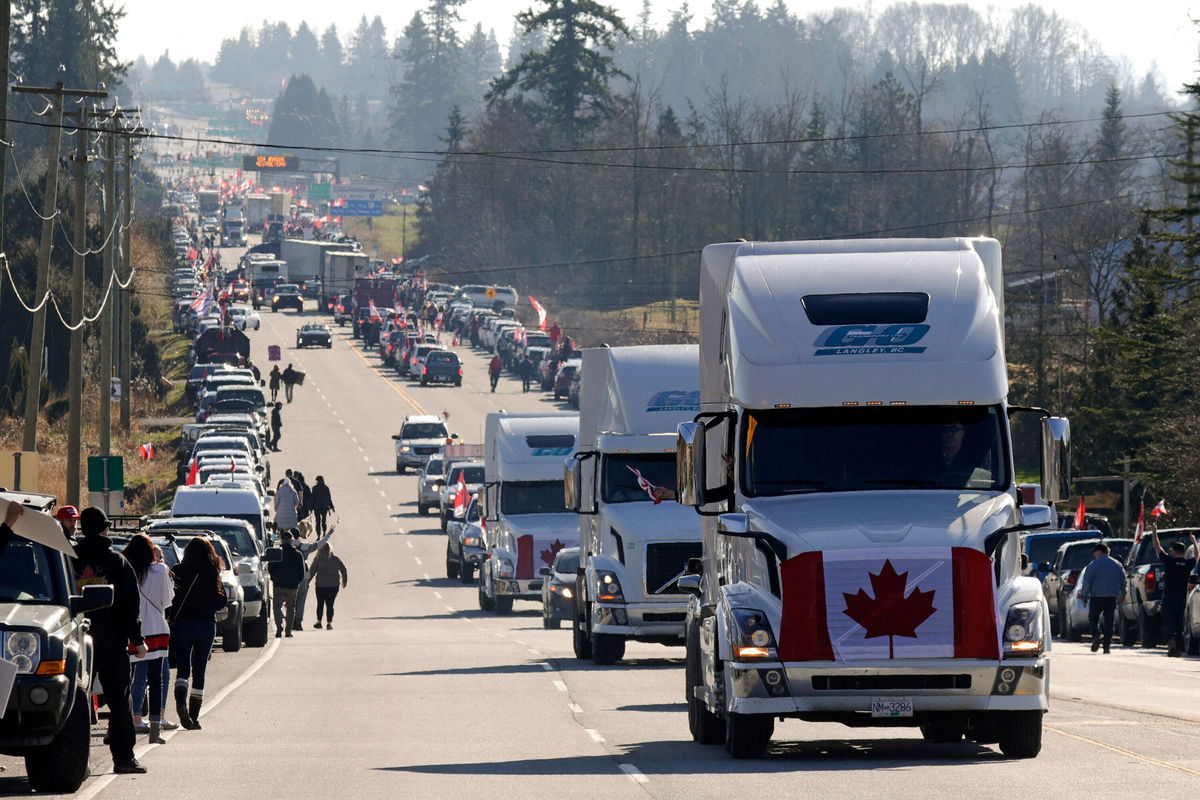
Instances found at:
x=891 y=707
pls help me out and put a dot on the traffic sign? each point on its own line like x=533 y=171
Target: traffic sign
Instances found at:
x=318 y=193
x=490 y=292
x=106 y=473
x=360 y=202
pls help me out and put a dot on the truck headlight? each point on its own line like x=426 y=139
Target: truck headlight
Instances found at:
x=23 y=649
x=1023 y=630
x=471 y=541
x=504 y=568
x=755 y=639
x=608 y=587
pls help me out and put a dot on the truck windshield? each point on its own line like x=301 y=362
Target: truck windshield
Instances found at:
x=534 y=497
x=620 y=483
x=854 y=449
x=26 y=573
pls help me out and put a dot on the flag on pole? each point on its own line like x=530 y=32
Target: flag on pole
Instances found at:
x=646 y=486
x=146 y=451
x=1160 y=509
x=193 y=473
x=1140 y=529
x=1080 y=516
x=232 y=466
x=460 y=498
x=374 y=312
x=541 y=312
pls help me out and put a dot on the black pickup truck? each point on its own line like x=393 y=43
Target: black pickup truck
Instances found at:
x=48 y=716
x=1138 y=611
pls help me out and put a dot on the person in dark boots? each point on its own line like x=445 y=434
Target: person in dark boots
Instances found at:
x=1101 y=584
x=199 y=595
x=1176 y=568
x=286 y=575
x=116 y=631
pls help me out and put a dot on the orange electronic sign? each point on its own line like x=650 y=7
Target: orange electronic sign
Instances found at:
x=270 y=163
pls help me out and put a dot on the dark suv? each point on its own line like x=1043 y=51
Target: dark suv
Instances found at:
x=441 y=366
x=287 y=295
x=48 y=718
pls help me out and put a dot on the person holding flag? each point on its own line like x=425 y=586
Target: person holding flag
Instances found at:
x=1177 y=566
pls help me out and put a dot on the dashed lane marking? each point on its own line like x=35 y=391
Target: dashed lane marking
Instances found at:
x=595 y=734
x=426 y=576
x=575 y=709
x=382 y=493
x=418 y=560
x=450 y=609
x=377 y=481
x=545 y=666
x=409 y=543
x=562 y=687
x=438 y=595
x=535 y=652
x=634 y=773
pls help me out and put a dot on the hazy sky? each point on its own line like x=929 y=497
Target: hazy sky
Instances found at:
x=1145 y=32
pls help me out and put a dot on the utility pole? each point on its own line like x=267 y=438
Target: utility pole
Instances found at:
x=126 y=294
x=5 y=22
x=33 y=390
x=112 y=227
x=75 y=373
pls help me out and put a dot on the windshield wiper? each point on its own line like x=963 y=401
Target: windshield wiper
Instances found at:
x=920 y=483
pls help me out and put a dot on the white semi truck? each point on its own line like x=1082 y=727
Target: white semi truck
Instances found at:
x=633 y=547
x=853 y=469
x=526 y=524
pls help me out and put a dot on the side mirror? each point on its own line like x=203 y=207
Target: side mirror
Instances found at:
x=689 y=584
x=697 y=460
x=1039 y=516
x=1056 y=459
x=93 y=598
x=579 y=493
x=396 y=437
x=738 y=525
x=273 y=555
x=546 y=571
x=243 y=568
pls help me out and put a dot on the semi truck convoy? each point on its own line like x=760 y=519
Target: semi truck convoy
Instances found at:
x=633 y=547
x=233 y=229
x=853 y=470
x=342 y=268
x=257 y=208
x=523 y=493
x=209 y=201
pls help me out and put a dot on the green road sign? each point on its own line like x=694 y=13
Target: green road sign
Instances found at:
x=106 y=474
x=318 y=193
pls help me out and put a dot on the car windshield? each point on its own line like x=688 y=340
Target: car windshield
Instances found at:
x=1043 y=549
x=848 y=449
x=250 y=395
x=433 y=468
x=1146 y=554
x=423 y=430
x=470 y=475
x=533 y=497
x=239 y=541
x=620 y=483
x=26 y=573
x=567 y=561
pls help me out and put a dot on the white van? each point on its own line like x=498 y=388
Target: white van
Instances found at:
x=224 y=499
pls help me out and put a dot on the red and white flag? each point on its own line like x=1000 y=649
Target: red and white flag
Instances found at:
x=535 y=551
x=146 y=451
x=373 y=311
x=541 y=312
x=646 y=486
x=460 y=498
x=854 y=605
x=193 y=473
x=1080 y=516
x=1160 y=509
x=1139 y=530
x=232 y=466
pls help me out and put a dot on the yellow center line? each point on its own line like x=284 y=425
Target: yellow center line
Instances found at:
x=1123 y=751
x=405 y=396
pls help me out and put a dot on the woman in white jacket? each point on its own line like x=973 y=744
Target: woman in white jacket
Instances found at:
x=157 y=590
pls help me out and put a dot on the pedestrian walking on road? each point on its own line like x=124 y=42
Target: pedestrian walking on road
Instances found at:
x=1176 y=568
x=276 y=425
x=322 y=504
x=287 y=506
x=157 y=591
x=286 y=576
x=304 y=493
x=290 y=379
x=199 y=595
x=525 y=370
x=495 y=366
x=329 y=574
x=1102 y=582
x=115 y=631
x=273 y=382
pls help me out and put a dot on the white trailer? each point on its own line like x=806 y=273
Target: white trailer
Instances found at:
x=257 y=208
x=523 y=504
x=632 y=547
x=853 y=468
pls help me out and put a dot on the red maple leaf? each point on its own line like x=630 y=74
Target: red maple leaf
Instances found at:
x=889 y=613
x=548 y=555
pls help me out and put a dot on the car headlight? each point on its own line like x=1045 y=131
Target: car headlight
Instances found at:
x=754 y=636
x=608 y=587
x=24 y=649
x=1023 y=630
x=567 y=592
x=504 y=568
x=405 y=448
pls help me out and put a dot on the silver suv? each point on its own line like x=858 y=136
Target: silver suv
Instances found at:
x=420 y=436
x=429 y=487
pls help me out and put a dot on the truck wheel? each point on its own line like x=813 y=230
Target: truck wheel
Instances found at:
x=444 y=520
x=548 y=622
x=424 y=381
x=485 y=602
x=62 y=766
x=422 y=509
x=451 y=565
x=231 y=637
x=607 y=648
x=706 y=727
x=1149 y=634
x=944 y=729
x=503 y=604
x=255 y=633
x=1126 y=631
x=400 y=468
x=1021 y=733
x=748 y=735
x=458 y=382
x=466 y=572
x=580 y=641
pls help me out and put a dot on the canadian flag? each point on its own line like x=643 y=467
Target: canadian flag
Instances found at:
x=193 y=473
x=645 y=485
x=853 y=605
x=374 y=312
x=1139 y=530
x=535 y=552
x=1080 y=516
x=1161 y=508
x=541 y=312
x=146 y=451
x=460 y=498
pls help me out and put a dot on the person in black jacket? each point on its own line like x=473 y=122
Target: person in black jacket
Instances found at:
x=199 y=595
x=286 y=576
x=322 y=504
x=116 y=631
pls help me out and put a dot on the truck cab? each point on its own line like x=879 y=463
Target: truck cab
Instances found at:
x=633 y=547
x=852 y=467
x=526 y=524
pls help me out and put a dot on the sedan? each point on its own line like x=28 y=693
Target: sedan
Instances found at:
x=314 y=335
x=558 y=589
x=464 y=544
x=245 y=318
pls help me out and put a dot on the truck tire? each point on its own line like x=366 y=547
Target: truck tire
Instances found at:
x=444 y=519
x=549 y=622
x=581 y=643
x=1021 y=733
x=944 y=729
x=422 y=509
x=466 y=572
x=1125 y=631
x=485 y=602
x=607 y=648
x=231 y=637
x=451 y=565
x=705 y=726
x=255 y=632
x=748 y=735
x=62 y=766
x=502 y=604
x=400 y=468
x=1147 y=629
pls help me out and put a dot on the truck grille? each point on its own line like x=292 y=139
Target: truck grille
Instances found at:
x=852 y=683
x=665 y=560
x=425 y=450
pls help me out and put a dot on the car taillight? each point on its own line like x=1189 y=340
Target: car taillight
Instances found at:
x=460 y=372
x=1151 y=582
x=424 y=370
x=1071 y=579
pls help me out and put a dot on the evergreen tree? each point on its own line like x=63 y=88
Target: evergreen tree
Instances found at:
x=69 y=40
x=332 y=56
x=304 y=53
x=1179 y=220
x=302 y=116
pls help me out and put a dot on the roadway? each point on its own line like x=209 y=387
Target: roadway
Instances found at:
x=415 y=692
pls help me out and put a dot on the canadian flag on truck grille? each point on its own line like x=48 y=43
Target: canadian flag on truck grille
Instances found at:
x=853 y=605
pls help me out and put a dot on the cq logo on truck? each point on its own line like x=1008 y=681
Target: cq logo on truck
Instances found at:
x=674 y=401
x=870 y=340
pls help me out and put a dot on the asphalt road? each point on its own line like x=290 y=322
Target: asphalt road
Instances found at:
x=416 y=693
